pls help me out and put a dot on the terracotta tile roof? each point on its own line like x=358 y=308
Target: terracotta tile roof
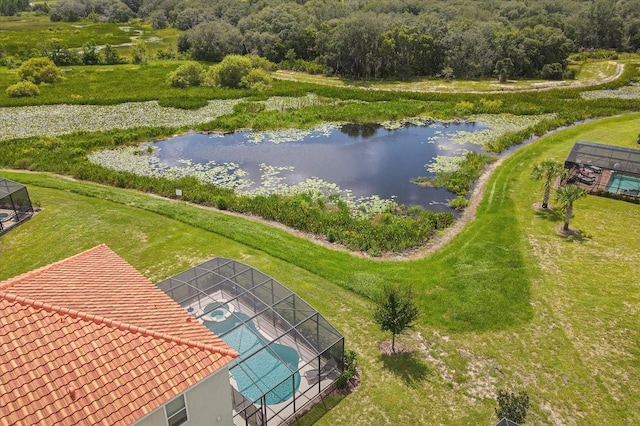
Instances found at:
x=64 y=365
x=100 y=282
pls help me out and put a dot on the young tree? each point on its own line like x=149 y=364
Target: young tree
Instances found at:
x=547 y=170
x=90 y=55
x=567 y=195
x=110 y=56
x=511 y=406
x=139 y=52
x=395 y=311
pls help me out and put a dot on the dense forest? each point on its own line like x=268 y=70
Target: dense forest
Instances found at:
x=380 y=39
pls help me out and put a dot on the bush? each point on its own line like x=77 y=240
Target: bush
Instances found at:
x=139 y=52
x=110 y=56
x=464 y=108
x=186 y=75
x=231 y=70
x=39 y=70
x=350 y=370
x=459 y=203
x=234 y=71
x=249 y=107
x=22 y=89
x=511 y=406
x=257 y=79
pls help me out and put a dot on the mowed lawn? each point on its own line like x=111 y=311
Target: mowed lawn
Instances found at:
x=507 y=304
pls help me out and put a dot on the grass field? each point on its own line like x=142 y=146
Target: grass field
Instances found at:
x=20 y=33
x=507 y=304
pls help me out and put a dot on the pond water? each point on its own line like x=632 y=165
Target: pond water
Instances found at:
x=364 y=160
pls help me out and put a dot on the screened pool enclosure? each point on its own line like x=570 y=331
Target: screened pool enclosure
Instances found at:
x=15 y=204
x=289 y=353
x=602 y=169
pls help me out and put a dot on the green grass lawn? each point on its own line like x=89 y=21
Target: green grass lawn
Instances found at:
x=507 y=304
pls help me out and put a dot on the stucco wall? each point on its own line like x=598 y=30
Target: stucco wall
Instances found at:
x=208 y=403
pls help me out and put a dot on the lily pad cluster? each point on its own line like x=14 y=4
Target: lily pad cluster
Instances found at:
x=55 y=120
x=632 y=91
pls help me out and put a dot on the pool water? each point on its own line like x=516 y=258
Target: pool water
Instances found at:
x=619 y=182
x=261 y=366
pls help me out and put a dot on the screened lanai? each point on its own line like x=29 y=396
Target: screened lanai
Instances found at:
x=606 y=168
x=289 y=353
x=15 y=204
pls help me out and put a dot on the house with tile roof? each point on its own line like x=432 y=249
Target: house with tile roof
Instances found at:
x=89 y=340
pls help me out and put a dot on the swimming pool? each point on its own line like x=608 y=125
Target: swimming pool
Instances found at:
x=262 y=365
x=620 y=182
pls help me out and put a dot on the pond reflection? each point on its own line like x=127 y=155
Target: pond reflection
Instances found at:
x=365 y=159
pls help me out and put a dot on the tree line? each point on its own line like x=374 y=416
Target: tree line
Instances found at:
x=384 y=39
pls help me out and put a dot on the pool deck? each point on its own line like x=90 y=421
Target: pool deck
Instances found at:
x=600 y=182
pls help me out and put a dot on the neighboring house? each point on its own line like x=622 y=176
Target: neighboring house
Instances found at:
x=90 y=341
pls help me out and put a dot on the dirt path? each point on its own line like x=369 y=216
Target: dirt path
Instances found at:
x=503 y=88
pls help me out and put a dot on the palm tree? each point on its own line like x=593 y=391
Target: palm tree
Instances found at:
x=566 y=196
x=547 y=170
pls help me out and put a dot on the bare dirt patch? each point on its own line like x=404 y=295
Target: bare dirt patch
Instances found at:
x=538 y=207
x=385 y=348
x=566 y=232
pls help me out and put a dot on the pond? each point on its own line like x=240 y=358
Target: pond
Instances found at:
x=360 y=161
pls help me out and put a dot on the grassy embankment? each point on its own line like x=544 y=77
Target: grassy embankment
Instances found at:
x=508 y=303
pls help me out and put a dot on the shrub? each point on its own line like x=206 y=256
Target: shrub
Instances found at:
x=110 y=56
x=511 y=406
x=232 y=69
x=139 y=52
x=459 y=203
x=464 y=108
x=350 y=369
x=260 y=62
x=249 y=107
x=236 y=71
x=186 y=75
x=39 y=70
x=22 y=89
x=257 y=79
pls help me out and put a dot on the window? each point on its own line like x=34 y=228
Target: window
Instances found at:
x=177 y=411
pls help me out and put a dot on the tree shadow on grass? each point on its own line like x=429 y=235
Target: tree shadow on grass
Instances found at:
x=548 y=214
x=407 y=366
x=572 y=235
